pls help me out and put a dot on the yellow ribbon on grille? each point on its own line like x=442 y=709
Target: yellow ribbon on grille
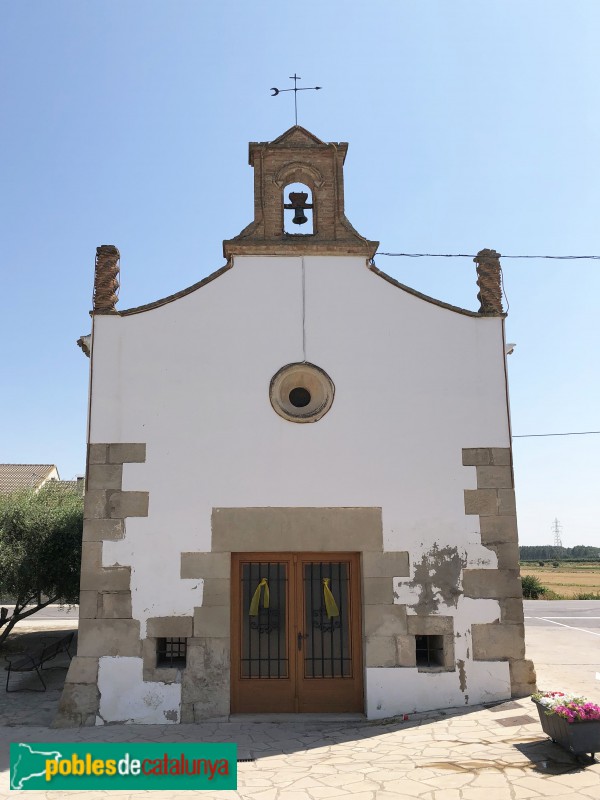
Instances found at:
x=330 y=604
x=254 y=605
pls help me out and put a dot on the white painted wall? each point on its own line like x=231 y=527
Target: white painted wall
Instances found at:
x=414 y=384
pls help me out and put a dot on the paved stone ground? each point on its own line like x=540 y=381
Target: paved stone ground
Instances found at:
x=495 y=753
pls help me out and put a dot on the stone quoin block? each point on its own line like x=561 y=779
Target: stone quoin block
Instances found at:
x=481 y=501
x=381 y=651
x=501 y=456
x=95 y=504
x=429 y=625
x=494 y=478
x=109 y=579
x=104 y=476
x=114 y=637
x=114 y=605
x=127 y=453
x=378 y=591
x=507 y=554
x=491 y=583
x=506 y=501
x=170 y=627
x=98 y=454
x=88 y=604
x=498 y=641
x=128 y=504
x=476 y=456
x=511 y=610
x=97 y=530
x=385 y=620
x=82 y=670
x=216 y=592
x=495 y=530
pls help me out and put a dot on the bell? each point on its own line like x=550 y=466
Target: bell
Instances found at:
x=298 y=203
x=299 y=218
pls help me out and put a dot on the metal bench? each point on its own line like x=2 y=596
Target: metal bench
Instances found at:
x=28 y=662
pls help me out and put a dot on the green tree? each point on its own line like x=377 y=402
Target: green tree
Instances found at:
x=40 y=551
x=532 y=588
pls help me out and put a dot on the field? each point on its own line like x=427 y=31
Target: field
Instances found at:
x=567 y=580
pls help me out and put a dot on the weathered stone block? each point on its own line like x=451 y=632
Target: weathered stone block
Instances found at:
x=128 y=504
x=203 y=565
x=206 y=680
x=385 y=620
x=494 y=478
x=88 y=604
x=82 y=670
x=216 y=592
x=481 y=501
x=491 y=583
x=522 y=677
x=507 y=554
x=79 y=698
x=115 y=605
x=127 y=453
x=430 y=625
x=391 y=564
x=498 y=641
x=115 y=637
x=104 y=476
x=111 y=579
x=96 y=530
x=98 y=454
x=311 y=529
x=407 y=651
x=378 y=591
x=381 y=651
x=511 y=610
x=501 y=456
x=170 y=627
x=506 y=501
x=91 y=556
x=95 y=504
x=476 y=456
x=212 y=622
x=498 y=529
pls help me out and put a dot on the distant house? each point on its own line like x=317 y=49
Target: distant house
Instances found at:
x=14 y=477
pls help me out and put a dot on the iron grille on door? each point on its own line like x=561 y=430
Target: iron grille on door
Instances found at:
x=264 y=636
x=327 y=652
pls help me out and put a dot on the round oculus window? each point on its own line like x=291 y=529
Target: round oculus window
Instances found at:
x=301 y=392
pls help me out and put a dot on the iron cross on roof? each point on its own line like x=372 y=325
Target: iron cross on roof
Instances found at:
x=295 y=90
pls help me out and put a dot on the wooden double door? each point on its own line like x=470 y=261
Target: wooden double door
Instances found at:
x=296 y=633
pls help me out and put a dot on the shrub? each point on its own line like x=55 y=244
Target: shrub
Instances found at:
x=532 y=588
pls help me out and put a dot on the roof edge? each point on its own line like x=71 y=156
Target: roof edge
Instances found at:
x=432 y=300
x=127 y=312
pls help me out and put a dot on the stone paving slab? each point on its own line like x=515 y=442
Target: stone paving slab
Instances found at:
x=480 y=753
x=461 y=755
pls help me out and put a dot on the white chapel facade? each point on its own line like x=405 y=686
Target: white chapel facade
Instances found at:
x=299 y=482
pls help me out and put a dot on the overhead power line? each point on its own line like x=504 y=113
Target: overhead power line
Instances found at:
x=469 y=255
x=571 y=433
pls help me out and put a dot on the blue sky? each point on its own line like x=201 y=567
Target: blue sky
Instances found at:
x=471 y=124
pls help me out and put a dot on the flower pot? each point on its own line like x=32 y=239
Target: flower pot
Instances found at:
x=576 y=737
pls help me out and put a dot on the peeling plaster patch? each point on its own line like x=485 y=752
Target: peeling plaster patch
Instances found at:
x=124 y=696
x=171 y=716
x=437 y=579
x=462 y=675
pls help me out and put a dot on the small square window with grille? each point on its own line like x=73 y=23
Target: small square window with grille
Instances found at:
x=430 y=651
x=171 y=652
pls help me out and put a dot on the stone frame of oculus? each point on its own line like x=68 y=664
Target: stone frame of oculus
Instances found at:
x=301 y=392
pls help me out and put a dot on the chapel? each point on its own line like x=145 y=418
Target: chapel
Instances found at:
x=299 y=484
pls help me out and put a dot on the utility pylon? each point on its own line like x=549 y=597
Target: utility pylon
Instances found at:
x=556 y=529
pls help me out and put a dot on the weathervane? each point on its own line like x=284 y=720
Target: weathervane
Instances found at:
x=295 y=90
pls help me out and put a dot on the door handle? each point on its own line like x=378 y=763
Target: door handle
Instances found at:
x=300 y=637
